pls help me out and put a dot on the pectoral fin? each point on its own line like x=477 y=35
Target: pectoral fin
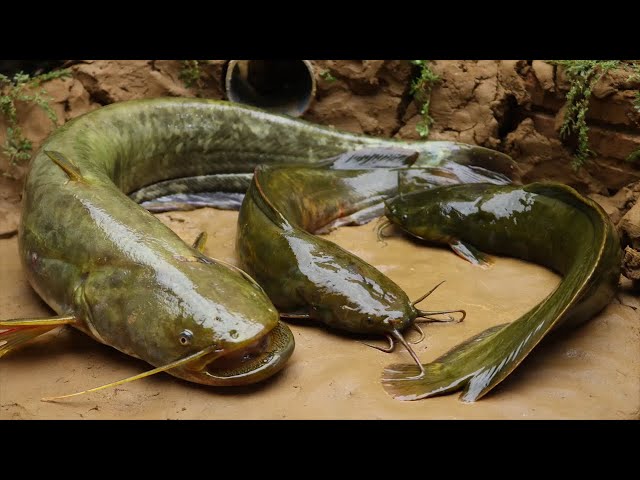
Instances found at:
x=361 y=217
x=14 y=333
x=471 y=254
x=200 y=241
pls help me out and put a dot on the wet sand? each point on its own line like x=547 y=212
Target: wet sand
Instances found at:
x=592 y=372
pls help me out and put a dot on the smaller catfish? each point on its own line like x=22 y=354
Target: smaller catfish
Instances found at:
x=547 y=223
x=309 y=277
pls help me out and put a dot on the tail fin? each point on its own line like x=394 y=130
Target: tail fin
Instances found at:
x=14 y=333
x=256 y=193
x=468 y=365
x=482 y=362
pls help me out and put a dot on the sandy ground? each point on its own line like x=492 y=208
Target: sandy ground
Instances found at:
x=592 y=372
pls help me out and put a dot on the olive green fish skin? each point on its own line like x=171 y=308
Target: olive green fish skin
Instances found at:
x=89 y=251
x=546 y=223
x=307 y=275
x=310 y=276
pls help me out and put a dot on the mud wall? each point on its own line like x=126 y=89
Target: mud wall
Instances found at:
x=515 y=106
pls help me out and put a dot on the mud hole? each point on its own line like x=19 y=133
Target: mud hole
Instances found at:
x=513 y=106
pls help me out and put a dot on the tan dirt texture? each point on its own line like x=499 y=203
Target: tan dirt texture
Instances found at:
x=591 y=372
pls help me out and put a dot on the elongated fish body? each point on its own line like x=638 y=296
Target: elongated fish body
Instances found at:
x=546 y=223
x=311 y=277
x=108 y=267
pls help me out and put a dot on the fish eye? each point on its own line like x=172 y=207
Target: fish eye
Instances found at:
x=185 y=337
x=404 y=216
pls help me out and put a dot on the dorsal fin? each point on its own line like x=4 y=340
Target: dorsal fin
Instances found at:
x=257 y=194
x=70 y=168
x=563 y=193
x=366 y=158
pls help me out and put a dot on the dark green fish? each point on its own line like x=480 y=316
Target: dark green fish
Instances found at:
x=310 y=277
x=546 y=223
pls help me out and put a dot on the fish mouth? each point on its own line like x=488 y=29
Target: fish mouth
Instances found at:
x=251 y=363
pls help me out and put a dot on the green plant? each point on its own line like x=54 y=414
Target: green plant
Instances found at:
x=326 y=75
x=582 y=76
x=191 y=73
x=21 y=88
x=421 y=87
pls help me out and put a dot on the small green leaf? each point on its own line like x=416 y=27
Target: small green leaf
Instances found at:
x=421 y=87
x=16 y=146
x=191 y=73
x=583 y=75
x=326 y=75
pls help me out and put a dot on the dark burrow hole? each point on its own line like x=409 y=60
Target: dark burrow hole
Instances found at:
x=513 y=115
x=284 y=86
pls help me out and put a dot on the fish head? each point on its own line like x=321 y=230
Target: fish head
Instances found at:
x=422 y=214
x=348 y=293
x=193 y=308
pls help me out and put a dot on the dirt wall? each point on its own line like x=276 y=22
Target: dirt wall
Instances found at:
x=512 y=105
x=515 y=106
